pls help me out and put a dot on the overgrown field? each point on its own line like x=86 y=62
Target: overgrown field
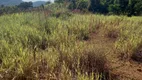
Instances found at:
x=35 y=46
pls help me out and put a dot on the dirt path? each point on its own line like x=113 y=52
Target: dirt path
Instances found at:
x=126 y=70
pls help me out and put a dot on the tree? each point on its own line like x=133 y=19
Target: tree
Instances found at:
x=25 y=5
x=48 y=2
x=135 y=7
x=94 y=5
x=59 y=1
x=98 y=6
x=83 y=4
x=73 y=4
x=114 y=7
x=125 y=7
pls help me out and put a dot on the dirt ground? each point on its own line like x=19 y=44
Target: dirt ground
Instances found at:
x=123 y=69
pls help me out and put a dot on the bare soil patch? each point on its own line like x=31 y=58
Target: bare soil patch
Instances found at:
x=123 y=70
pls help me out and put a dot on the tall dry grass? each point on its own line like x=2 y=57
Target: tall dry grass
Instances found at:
x=33 y=46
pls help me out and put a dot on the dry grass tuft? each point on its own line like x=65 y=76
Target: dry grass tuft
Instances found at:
x=113 y=34
x=137 y=54
x=94 y=62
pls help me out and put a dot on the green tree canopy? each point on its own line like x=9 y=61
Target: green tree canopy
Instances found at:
x=25 y=5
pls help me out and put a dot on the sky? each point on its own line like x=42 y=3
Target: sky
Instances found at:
x=37 y=0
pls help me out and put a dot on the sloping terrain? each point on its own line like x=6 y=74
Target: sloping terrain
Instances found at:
x=36 y=46
x=121 y=69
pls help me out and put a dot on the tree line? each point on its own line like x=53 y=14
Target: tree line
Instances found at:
x=119 y=7
x=18 y=8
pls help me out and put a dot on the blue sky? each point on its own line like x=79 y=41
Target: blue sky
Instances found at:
x=38 y=0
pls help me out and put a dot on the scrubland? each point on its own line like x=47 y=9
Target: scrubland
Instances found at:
x=35 y=46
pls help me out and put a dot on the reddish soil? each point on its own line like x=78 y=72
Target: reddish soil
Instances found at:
x=125 y=70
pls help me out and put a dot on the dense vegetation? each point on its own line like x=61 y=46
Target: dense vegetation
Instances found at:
x=21 y=7
x=14 y=9
x=60 y=42
x=119 y=7
x=59 y=48
x=125 y=7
